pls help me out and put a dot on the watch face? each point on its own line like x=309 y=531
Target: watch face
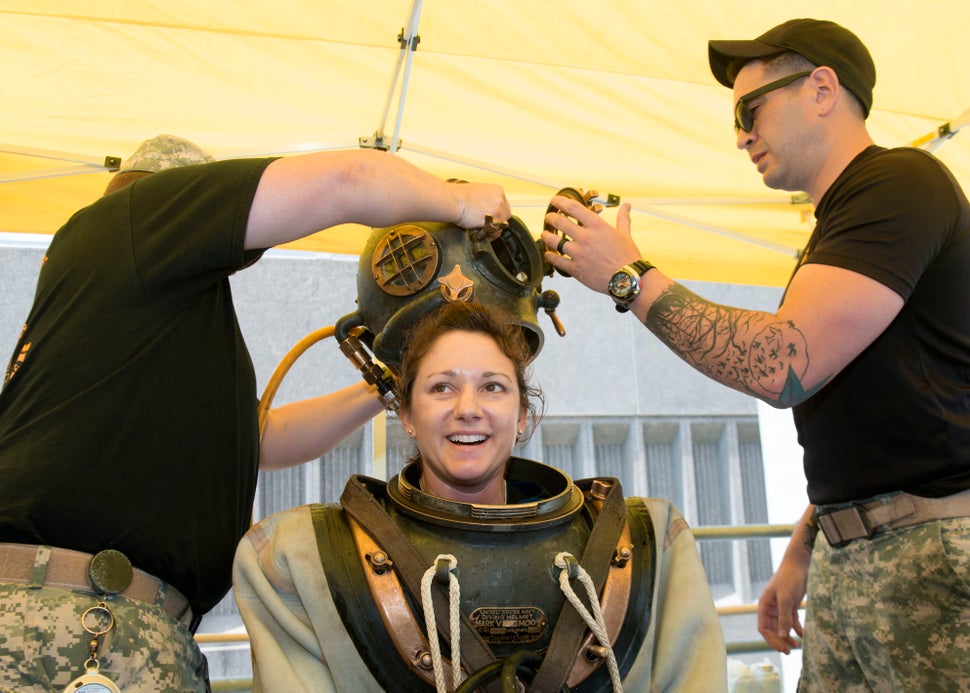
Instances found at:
x=621 y=285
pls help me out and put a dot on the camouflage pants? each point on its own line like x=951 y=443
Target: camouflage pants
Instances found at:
x=891 y=613
x=43 y=646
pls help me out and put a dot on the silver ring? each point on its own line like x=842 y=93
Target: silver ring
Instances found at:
x=562 y=242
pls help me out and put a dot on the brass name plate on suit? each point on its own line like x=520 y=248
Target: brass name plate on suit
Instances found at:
x=509 y=624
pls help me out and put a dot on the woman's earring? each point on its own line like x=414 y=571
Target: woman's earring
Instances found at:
x=411 y=432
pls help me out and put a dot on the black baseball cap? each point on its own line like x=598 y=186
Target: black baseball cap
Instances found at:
x=822 y=42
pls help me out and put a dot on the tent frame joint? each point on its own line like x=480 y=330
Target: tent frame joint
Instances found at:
x=408 y=42
x=376 y=141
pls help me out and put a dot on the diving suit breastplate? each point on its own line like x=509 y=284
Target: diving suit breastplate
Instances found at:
x=379 y=545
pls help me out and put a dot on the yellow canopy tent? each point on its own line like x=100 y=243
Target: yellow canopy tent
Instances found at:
x=614 y=96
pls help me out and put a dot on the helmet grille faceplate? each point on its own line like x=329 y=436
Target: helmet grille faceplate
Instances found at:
x=405 y=260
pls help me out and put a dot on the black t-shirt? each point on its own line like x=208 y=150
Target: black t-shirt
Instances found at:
x=898 y=416
x=128 y=417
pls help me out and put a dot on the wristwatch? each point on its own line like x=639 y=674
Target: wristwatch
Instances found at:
x=624 y=285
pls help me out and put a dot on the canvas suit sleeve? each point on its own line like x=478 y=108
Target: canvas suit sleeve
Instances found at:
x=284 y=599
x=684 y=649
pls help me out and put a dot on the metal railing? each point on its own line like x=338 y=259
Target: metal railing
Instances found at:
x=742 y=531
x=731 y=532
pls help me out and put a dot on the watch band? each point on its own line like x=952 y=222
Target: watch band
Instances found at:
x=642 y=266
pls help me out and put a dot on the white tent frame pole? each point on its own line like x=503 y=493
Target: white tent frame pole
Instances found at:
x=481 y=165
x=683 y=221
x=84 y=164
x=390 y=95
x=932 y=141
x=409 y=43
x=52 y=154
x=721 y=231
x=52 y=173
x=533 y=201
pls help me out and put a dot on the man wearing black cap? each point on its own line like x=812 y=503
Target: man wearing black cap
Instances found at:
x=870 y=348
x=129 y=435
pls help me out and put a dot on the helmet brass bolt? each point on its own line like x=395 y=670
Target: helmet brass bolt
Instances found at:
x=379 y=562
x=423 y=660
x=622 y=556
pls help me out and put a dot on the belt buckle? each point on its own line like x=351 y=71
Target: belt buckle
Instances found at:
x=852 y=518
x=110 y=572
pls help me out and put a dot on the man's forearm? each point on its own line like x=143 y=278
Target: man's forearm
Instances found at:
x=750 y=351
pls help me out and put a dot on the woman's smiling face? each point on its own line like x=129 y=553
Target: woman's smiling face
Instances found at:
x=465 y=413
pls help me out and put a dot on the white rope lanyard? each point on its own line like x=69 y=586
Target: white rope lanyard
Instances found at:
x=454 y=619
x=569 y=568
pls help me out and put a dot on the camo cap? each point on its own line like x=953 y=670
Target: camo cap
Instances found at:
x=164 y=152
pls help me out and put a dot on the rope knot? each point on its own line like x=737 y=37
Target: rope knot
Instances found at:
x=566 y=561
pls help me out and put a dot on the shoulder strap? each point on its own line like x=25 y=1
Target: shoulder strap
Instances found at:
x=347 y=578
x=640 y=571
x=567 y=637
x=361 y=505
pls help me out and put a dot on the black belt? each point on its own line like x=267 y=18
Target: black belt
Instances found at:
x=844 y=522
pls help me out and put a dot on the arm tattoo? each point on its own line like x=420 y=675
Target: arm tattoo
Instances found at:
x=747 y=350
x=811 y=531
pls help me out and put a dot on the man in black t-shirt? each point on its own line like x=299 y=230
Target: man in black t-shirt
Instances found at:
x=870 y=348
x=129 y=439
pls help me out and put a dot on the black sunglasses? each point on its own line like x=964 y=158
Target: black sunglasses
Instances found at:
x=743 y=117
